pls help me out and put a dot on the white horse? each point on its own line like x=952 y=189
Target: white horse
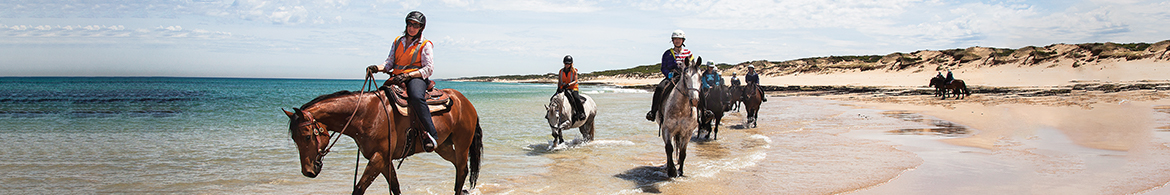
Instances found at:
x=680 y=116
x=560 y=114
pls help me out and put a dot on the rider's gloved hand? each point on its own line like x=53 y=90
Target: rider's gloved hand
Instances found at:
x=371 y=69
x=399 y=78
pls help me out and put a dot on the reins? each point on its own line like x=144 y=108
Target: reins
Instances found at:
x=361 y=92
x=676 y=88
x=317 y=130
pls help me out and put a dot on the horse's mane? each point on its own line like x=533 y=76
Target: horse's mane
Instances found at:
x=325 y=97
x=552 y=101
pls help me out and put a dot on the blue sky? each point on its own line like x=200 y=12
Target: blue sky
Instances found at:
x=338 y=38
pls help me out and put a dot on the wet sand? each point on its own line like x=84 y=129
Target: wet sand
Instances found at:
x=1091 y=143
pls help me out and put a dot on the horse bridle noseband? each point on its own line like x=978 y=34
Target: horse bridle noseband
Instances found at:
x=317 y=131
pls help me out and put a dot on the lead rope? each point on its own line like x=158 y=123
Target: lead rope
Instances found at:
x=409 y=146
x=357 y=159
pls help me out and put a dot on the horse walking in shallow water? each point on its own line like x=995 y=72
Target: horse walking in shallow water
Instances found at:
x=734 y=98
x=752 y=103
x=381 y=131
x=560 y=117
x=680 y=116
x=713 y=106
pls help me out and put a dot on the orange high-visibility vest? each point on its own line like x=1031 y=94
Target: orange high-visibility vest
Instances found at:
x=406 y=60
x=569 y=77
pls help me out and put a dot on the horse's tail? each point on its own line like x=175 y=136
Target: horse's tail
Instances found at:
x=476 y=154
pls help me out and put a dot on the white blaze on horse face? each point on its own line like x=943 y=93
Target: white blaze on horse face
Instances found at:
x=555 y=112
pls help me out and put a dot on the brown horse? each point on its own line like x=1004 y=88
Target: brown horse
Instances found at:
x=734 y=97
x=712 y=105
x=752 y=103
x=364 y=117
x=957 y=87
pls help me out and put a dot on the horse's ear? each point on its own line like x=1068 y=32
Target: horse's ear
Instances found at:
x=291 y=115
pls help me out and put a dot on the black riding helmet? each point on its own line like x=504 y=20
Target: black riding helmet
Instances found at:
x=416 y=16
x=568 y=59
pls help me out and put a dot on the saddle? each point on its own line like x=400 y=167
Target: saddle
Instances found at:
x=436 y=100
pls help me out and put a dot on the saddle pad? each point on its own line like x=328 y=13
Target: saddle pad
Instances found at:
x=437 y=100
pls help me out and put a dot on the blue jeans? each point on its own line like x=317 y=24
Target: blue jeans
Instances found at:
x=416 y=89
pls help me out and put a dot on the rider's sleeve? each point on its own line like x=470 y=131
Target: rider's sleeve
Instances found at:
x=668 y=62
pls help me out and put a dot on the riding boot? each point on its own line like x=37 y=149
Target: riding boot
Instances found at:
x=416 y=89
x=655 y=103
x=763 y=96
x=575 y=102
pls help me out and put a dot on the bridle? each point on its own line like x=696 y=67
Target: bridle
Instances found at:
x=314 y=126
x=689 y=87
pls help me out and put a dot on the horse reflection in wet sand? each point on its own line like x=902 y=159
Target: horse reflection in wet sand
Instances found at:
x=560 y=114
x=679 y=117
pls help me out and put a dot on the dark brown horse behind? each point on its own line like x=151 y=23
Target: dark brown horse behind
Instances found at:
x=381 y=140
x=712 y=105
x=752 y=103
x=734 y=98
x=956 y=87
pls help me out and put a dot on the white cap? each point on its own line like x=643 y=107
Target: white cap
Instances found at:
x=751 y=66
x=678 y=34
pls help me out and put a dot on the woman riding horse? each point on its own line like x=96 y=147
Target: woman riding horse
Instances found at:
x=411 y=62
x=567 y=84
x=671 y=61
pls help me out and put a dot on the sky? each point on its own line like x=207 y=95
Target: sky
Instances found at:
x=337 y=39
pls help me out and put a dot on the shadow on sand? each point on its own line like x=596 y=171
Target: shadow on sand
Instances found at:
x=647 y=177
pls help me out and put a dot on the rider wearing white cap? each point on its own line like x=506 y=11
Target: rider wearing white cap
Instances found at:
x=671 y=60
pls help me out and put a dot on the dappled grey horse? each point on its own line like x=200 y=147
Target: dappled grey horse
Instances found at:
x=680 y=116
x=560 y=117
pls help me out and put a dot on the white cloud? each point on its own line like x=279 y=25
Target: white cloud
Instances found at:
x=570 y=6
x=89 y=34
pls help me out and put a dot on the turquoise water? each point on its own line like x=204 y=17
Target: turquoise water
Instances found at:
x=224 y=135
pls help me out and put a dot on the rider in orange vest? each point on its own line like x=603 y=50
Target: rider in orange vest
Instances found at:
x=567 y=83
x=410 y=62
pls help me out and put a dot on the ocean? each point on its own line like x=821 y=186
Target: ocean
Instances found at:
x=82 y=135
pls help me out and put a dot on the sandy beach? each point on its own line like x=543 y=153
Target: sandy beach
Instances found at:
x=1079 y=141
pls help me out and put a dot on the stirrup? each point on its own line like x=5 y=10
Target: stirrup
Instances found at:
x=429 y=146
